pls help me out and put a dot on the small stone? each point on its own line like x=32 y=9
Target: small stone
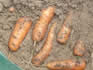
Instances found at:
x=1 y=7
x=33 y=7
x=6 y=3
x=11 y=9
x=59 y=4
x=6 y=27
x=74 y=6
x=46 y=0
x=58 y=12
x=16 y=1
x=18 y=6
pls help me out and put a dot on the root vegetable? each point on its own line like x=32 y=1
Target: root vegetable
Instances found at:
x=41 y=26
x=79 y=48
x=64 y=33
x=19 y=33
x=67 y=65
x=47 y=47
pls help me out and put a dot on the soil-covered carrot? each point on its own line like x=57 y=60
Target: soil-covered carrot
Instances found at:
x=64 y=33
x=47 y=47
x=41 y=26
x=21 y=29
x=79 y=48
x=67 y=65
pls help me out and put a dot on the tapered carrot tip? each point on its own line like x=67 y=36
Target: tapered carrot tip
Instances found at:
x=36 y=62
x=20 y=31
x=79 y=48
x=48 y=10
x=48 y=13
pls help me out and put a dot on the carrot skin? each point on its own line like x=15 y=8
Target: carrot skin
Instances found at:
x=64 y=32
x=79 y=49
x=41 y=26
x=20 y=31
x=47 y=47
x=63 y=35
x=67 y=65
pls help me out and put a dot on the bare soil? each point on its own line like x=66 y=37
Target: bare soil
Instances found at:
x=82 y=29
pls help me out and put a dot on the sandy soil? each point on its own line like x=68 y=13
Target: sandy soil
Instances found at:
x=82 y=28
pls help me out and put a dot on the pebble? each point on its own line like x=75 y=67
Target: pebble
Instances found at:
x=11 y=9
x=6 y=3
x=16 y=1
x=1 y=7
x=6 y=27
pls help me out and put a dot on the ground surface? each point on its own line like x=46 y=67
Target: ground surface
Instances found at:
x=82 y=28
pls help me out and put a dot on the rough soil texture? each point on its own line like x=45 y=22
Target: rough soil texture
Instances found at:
x=82 y=28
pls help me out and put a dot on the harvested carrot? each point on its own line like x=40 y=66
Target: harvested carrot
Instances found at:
x=79 y=48
x=41 y=26
x=67 y=65
x=20 y=31
x=47 y=47
x=64 y=33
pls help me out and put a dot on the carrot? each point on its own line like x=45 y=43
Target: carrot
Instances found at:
x=67 y=65
x=79 y=48
x=21 y=29
x=64 y=33
x=41 y=26
x=47 y=47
